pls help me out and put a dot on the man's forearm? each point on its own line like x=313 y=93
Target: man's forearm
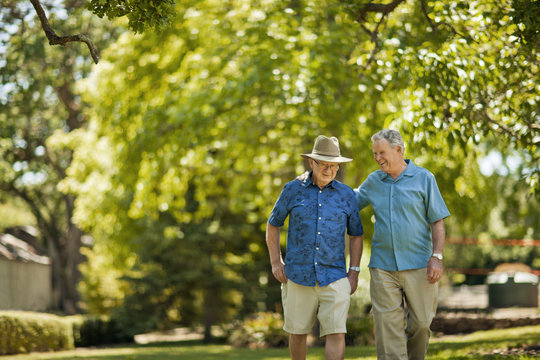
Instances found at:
x=356 y=246
x=438 y=235
x=272 y=242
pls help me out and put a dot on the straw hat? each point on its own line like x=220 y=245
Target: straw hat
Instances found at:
x=326 y=149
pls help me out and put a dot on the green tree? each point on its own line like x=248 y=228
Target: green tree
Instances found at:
x=37 y=101
x=195 y=130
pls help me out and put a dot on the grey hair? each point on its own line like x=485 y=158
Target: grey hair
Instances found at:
x=392 y=136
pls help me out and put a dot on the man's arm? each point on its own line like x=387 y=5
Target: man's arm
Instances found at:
x=361 y=194
x=356 y=246
x=274 y=249
x=435 y=266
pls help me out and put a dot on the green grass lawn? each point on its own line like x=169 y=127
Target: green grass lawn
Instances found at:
x=479 y=345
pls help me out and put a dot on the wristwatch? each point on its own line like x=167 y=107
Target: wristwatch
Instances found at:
x=355 y=268
x=437 y=255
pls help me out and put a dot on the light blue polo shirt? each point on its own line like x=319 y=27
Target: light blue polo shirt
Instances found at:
x=404 y=209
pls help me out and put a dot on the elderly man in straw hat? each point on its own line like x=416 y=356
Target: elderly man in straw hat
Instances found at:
x=315 y=282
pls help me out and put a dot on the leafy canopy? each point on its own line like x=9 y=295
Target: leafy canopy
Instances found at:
x=195 y=130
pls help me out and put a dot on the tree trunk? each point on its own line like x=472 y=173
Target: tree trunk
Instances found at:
x=211 y=303
x=65 y=261
x=64 y=244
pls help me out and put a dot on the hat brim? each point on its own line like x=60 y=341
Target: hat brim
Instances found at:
x=336 y=159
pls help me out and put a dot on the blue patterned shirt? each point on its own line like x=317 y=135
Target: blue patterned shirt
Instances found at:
x=316 y=235
x=404 y=210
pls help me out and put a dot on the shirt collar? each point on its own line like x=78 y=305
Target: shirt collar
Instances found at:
x=308 y=182
x=409 y=170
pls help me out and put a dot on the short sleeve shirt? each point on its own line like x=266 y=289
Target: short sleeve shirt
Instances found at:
x=316 y=234
x=404 y=210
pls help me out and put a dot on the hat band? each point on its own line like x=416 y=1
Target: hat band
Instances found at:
x=326 y=154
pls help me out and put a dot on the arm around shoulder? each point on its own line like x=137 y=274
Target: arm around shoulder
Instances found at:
x=361 y=194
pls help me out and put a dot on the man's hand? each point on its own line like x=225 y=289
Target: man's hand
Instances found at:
x=434 y=270
x=353 y=280
x=356 y=245
x=303 y=177
x=278 y=270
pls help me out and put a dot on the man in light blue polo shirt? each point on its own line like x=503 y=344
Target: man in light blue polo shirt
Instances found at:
x=406 y=249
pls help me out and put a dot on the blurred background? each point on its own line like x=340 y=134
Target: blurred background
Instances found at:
x=139 y=187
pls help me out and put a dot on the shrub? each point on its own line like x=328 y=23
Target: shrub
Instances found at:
x=261 y=330
x=359 y=330
x=22 y=332
x=92 y=330
x=265 y=329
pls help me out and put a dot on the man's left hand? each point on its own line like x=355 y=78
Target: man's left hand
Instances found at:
x=434 y=270
x=353 y=280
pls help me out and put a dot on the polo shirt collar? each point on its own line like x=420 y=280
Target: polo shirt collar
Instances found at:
x=409 y=170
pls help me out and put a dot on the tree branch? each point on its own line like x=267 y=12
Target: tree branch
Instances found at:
x=495 y=126
x=376 y=8
x=375 y=39
x=383 y=9
x=424 y=10
x=43 y=224
x=75 y=118
x=62 y=40
x=435 y=25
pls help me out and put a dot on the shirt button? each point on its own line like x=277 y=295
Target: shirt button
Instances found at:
x=318 y=233
x=320 y=218
x=315 y=263
x=317 y=248
x=320 y=205
x=320 y=191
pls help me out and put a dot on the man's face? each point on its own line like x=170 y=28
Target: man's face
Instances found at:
x=324 y=171
x=389 y=159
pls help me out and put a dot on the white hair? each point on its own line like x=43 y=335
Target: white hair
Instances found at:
x=392 y=136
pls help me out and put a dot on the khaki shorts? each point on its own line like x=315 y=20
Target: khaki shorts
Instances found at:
x=303 y=304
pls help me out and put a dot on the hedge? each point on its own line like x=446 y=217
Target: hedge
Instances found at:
x=23 y=332
x=260 y=330
x=92 y=330
x=265 y=330
x=359 y=330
